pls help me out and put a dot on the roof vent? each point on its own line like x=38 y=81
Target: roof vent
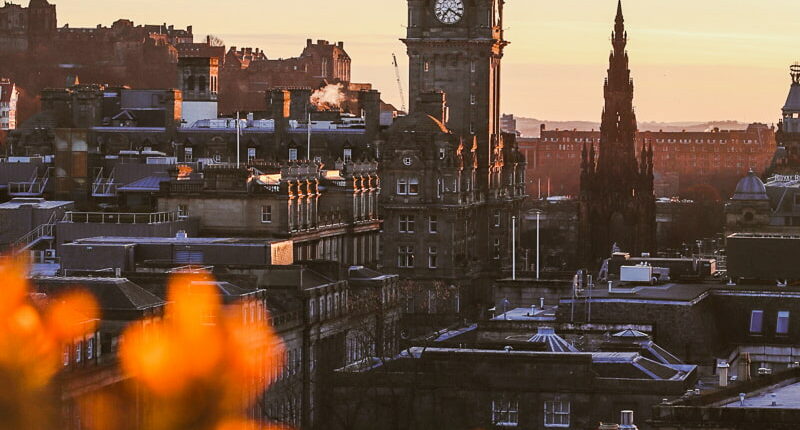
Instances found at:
x=626 y=421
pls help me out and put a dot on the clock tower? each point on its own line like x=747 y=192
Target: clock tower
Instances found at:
x=455 y=46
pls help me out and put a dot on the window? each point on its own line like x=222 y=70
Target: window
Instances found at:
x=405 y=257
x=472 y=66
x=292 y=154
x=497 y=249
x=266 y=214
x=756 y=321
x=496 y=217
x=427 y=66
x=402 y=187
x=348 y=154
x=90 y=348
x=187 y=154
x=66 y=355
x=782 y=326
x=407 y=224
x=556 y=413
x=505 y=413
x=472 y=99
x=78 y=351
x=433 y=224
x=433 y=258
x=442 y=153
x=439 y=187
x=413 y=187
x=251 y=154
x=183 y=211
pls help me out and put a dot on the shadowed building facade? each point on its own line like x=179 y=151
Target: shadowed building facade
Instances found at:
x=617 y=204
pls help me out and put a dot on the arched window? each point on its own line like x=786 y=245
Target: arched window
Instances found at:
x=325 y=67
x=190 y=83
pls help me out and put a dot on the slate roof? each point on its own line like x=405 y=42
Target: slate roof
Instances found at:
x=146 y=184
x=111 y=293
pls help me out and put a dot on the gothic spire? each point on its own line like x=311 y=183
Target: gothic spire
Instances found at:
x=620 y=36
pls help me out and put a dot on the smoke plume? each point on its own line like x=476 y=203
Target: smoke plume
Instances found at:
x=327 y=98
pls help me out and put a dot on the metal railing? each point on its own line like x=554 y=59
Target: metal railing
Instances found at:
x=33 y=236
x=34 y=187
x=120 y=218
x=104 y=186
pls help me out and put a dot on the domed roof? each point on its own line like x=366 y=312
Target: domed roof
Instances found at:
x=418 y=122
x=750 y=188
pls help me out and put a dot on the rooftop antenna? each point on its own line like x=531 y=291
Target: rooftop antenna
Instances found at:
x=399 y=83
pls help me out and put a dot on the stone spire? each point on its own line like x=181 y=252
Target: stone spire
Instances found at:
x=617 y=199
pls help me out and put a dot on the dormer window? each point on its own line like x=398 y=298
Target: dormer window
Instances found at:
x=292 y=154
x=347 y=154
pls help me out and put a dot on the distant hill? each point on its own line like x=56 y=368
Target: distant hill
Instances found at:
x=529 y=127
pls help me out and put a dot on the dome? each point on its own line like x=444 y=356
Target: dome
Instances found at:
x=751 y=188
x=418 y=122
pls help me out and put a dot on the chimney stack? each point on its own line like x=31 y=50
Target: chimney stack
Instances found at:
x=434 y=104
x=626 y=421
x=279 y=105
x=371 y=106
x=722 y=370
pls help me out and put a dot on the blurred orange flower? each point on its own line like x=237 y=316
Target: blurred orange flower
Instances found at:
x=33 y=334
x=203 y=365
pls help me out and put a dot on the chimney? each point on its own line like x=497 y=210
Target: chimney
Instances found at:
x=279 y=106
x=371 y=106
x=340 y=45
x=309 y=42
x=434 y=104
x=722 y=370
x=300 y=104
x=626 y=421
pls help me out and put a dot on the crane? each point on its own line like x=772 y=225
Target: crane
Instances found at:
x=399 y=83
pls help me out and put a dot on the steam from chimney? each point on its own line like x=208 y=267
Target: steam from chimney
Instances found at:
x=328 y=98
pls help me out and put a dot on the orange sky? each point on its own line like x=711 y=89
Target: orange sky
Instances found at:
x=691 y=60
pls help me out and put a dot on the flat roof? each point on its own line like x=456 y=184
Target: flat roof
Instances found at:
x=787 y=397
x=38 y=203
x=175 y=240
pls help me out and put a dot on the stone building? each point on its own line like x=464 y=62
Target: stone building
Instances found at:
x=787 y=156
x=198 y=79
x=9 y=95
x=683 y=162
x=769 y=402
x=453 y=171
x=617 y=204
x=758 y=207
x=526 y=380
x=328 y=214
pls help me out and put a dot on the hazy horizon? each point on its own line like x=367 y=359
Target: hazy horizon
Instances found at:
x=691 y=61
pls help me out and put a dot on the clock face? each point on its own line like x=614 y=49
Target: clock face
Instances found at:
x=449 y=11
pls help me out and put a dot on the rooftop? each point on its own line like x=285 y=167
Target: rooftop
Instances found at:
x=787 y=397
x=35 y=202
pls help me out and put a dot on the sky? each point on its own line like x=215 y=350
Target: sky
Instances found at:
x=691 y=60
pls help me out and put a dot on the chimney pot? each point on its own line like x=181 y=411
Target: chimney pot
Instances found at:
x=626 y=421
x=309 y=42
